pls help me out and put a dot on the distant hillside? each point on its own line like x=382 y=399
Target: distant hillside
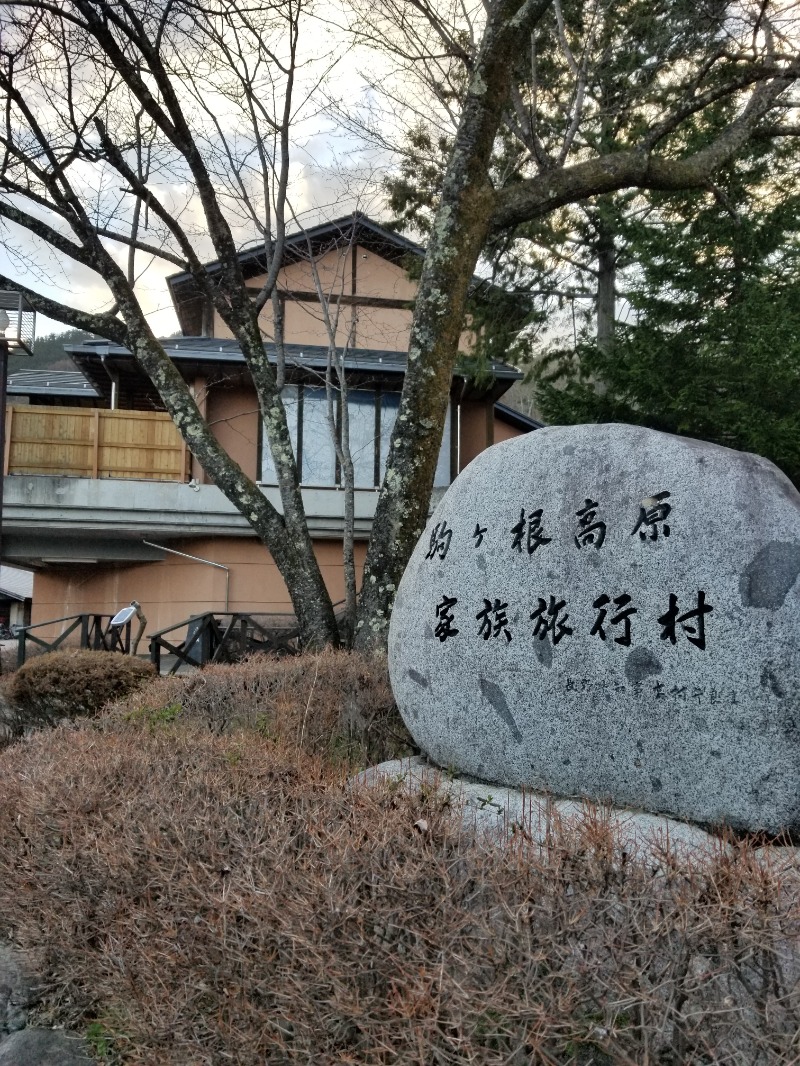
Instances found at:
x=48 y=352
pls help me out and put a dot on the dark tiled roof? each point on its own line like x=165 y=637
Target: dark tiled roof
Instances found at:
x=218 y=350
x=50 y=383
x=357 y=228
x=517 y=418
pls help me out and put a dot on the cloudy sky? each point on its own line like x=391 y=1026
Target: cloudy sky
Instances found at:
x=332 y=174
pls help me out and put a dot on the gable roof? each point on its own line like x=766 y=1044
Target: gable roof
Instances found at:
x=15 y=584
x=350 y=230
x=516 y=418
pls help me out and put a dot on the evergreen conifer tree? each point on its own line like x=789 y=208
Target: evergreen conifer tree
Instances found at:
x=711 y=343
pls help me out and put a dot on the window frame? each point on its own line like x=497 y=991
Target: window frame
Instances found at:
x=378 y=391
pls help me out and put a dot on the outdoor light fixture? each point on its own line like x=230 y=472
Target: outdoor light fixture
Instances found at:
x=124 y=616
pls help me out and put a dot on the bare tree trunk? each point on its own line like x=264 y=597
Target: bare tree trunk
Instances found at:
x=340 y=435
x=461 y=226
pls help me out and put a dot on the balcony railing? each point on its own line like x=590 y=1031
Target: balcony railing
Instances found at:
x=88 y=442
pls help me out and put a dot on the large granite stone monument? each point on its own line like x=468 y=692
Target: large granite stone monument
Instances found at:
x=612 y=613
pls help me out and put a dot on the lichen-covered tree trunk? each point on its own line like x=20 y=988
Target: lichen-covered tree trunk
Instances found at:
x=469 y=209
x=462 y=223
x=285 y=536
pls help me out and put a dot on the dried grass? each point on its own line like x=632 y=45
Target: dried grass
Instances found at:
x=208 y=899
x=335 y=703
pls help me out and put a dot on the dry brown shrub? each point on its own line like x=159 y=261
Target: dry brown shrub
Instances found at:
x=199 y=900
x=66 y=684
x=336 y=703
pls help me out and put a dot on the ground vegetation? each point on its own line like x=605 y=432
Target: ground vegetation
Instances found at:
x=68 y=684
x=198 y=896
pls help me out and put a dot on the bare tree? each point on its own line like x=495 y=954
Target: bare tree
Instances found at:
x=107 y=107
x=528 y=83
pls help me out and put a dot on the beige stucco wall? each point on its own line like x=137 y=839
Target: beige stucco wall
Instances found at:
x=233 y=416
x=374 y=327
x=473 y=432
x=503 y=431
x=171 y=590
x=348 y=272
x=478 y=433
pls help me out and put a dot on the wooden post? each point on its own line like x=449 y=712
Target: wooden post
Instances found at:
x=201 y=399
x=185 y=473
x=7 y=443
x=96 y=451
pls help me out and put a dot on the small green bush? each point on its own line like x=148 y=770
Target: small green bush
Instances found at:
x=67 y=684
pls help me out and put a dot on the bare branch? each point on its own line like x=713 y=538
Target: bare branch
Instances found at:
x=635 y=168
x=103 y=325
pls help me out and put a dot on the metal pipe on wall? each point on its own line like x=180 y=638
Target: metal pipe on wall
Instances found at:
x=196 y=559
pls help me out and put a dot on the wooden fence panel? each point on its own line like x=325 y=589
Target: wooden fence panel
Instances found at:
x=86 y=442
x=140 y=444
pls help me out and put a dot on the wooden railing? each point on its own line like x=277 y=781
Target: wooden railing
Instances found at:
x=88 y=442
x=226 y=637
x=87 y=631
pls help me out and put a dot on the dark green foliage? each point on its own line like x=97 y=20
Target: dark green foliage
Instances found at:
x=65 y=684
x=414 y=190
x=48 y=351
x=640 y=59
x=712 y=345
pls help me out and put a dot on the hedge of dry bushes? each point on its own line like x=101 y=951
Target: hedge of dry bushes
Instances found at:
x=201 y=897
x=201 y=887
x=68 y=684
x=334 y=703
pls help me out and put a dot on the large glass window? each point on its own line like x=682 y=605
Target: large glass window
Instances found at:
x=307 y=414
x=318 y=453
x=361 y=416
x=390 y=402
